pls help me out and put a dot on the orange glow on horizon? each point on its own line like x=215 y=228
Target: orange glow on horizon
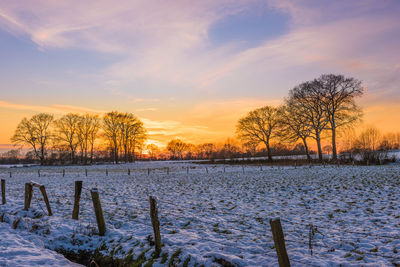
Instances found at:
x=210 y=122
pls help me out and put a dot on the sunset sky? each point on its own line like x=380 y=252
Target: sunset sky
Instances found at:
x=191 y=69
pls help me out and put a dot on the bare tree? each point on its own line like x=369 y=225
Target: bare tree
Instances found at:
x=152 y=149
x=137 y=138
x=88 y=128
x=111 y=132
x=176 y=147
x=338 y=99
x=294 y=126
x=308 y=98
x=125 y=132
x=369 y=139
x=230 y=148
x=66 y=132
x=206 y=150
x=34 y=132
x=260 y=125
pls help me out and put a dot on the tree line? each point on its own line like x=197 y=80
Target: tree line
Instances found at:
x=121 y=134
x=313 y=108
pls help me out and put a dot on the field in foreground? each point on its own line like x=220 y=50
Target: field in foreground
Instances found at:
x=215 y=215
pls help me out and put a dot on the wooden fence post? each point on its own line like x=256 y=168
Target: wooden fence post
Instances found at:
x=168 y=170
x=85 y=172
x=46 y=200
x=156 y=226
x=10 y=174
x=206 y=169
x=148 y=171
x=243 y=169
x=187 y=170
x=279 y=241
x=106 y=172
x=260 y=167
x=63 y=172
x=224 y=169
x=3 y=191
x=129 y=171
x=99 y=212
x=28 y=196
x=77 y=198
x=38 y=172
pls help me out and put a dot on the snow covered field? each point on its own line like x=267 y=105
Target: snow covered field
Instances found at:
x=16 y=250
x=349 y=214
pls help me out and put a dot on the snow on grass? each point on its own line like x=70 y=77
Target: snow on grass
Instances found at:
x=350 y=213
x=17 y=250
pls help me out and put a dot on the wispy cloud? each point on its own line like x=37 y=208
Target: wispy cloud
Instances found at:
x=58 y=109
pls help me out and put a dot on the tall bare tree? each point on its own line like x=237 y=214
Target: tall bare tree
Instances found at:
x=125 y=132
x=66 y=132
x=111 y=130
x=94 y=127
x=138 y=136
x=88 y=127
x=294 y=125
x=36 y=133
x=338 y=98
x=308 y=98
x=260 y=125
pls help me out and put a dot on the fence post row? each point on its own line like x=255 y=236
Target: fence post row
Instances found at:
x=279 y=241
x=3 y=191
x=99 y=212
x=77 y=198
x=156 y=226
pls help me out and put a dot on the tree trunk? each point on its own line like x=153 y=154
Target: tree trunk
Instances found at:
x=72 y=156
x=126 y=153
x=334 y=152
x=86 y=146
x=307 y=150
x=91 y=154
x=319 y=147
x=42 y=155
x=116 y=154
x=268 y=151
